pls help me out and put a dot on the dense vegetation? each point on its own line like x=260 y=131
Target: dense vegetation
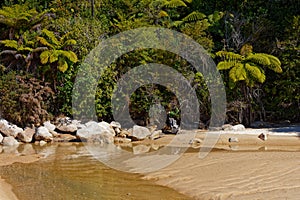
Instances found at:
x=43 y=43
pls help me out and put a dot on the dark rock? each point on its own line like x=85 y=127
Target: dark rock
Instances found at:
x=263 y=136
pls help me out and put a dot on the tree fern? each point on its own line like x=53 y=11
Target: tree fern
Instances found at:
x=248 y=66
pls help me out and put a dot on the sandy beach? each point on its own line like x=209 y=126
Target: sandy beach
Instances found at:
x=251 y=168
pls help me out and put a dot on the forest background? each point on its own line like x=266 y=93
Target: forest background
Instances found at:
x=255 y=44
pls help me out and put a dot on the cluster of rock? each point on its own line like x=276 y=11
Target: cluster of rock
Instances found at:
x=67 y=130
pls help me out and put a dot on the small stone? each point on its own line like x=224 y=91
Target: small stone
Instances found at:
x=155 y=135
x=233 y=139
x=42 y=143
x=10 y=141
x=117 y=130
x=238 y=127
x=42 y=133
x=263 y=136
x=123 y=134
x=139 y=149
x=196 y=143
x=27 y=135
x=115 y=124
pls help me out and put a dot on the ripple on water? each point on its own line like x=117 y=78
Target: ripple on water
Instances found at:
x=70 y=173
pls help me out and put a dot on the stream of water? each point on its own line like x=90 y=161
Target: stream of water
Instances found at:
x=69 y=172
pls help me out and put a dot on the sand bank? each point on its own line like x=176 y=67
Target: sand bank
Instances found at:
x=248 y=169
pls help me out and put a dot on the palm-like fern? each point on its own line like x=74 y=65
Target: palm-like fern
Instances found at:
x=248 y=66
x=55 y=52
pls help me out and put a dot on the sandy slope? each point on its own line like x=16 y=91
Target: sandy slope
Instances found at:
x=268 y=173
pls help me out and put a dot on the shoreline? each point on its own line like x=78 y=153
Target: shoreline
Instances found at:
x=235 y=162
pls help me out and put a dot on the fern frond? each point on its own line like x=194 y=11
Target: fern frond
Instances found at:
x=44 y=42
x=10 y=43
x=70 y=55
x=44 y=56
x=194 y=16
x=238 y=73
x=223 y=65
x=53 y=56
x=255 y=72
x=275 y=63
x=69 y=42
x=163 y=14
x=51 y=36
x=229 y=56
x=258 y=59
x=175 y=4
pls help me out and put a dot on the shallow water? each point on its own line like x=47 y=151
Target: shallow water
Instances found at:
x=69 y=172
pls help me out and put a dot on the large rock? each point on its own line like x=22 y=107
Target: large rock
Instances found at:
x=140 y=132
x=42 y=133
x=49 y=126
x=10 y=141
x=96 y=132
x=238 y=127
x=26 y=135
x=9 y=130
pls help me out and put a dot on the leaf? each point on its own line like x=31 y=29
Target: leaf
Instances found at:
x=229 y=56
x=255 y=72
x=10 y=43
x=45 y=56
x=62 y=65
x=43 y=41
x=275 y=63
x=51 y=36
x=70 y=42
x=175 y=4
x=238 y=73
x=260 y=59
x=194 y=16
x=70 y=55
x=163 y=14
x=53 y=56
x=223 y=65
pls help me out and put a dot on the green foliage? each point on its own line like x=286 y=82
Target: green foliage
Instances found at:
x=248 y=66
